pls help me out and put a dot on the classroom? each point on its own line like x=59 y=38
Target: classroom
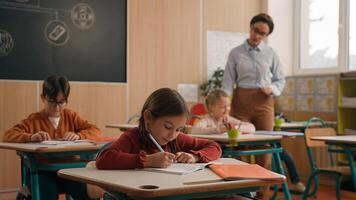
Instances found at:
x=117 y=53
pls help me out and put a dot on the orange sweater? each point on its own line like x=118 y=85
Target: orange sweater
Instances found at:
x=69 y=122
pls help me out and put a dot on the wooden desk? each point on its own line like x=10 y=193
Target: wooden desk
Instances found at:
x=152 y=185
x=252 y=139
x=348 y=144
x=243 y=138
x=121 y=127
x=301 y=125
x=29 y=153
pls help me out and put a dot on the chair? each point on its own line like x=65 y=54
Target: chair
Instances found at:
x=196 y=111
x=134 y=119
x=337 y=171
x=93 y=191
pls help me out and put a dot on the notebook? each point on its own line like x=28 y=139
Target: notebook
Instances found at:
x=64 y=142
x=237 y=172
x=281 y=133
x=180 y=168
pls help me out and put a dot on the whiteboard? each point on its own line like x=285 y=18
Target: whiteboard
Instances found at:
x=219 y=45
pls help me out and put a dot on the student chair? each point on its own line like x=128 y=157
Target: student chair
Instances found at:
x=337 y=171
x=134 y=119
x=93 y=191
x=196 y=111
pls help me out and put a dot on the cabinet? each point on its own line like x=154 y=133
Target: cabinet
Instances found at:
x=346 y=115
x=346 y=105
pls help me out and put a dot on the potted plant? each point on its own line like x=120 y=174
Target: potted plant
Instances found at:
x=214 y=82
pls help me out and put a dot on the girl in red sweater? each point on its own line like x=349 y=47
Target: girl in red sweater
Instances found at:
x=164 y=116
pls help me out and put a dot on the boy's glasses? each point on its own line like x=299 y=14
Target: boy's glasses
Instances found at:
x=259 y=32
x=53 y=103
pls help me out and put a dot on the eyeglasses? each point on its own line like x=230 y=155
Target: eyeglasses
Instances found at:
x=257 y=31
x=53 y=103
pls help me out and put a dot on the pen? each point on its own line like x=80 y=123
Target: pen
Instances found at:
x=155 y=142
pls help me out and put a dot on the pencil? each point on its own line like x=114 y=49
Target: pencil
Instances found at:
x=155 y=142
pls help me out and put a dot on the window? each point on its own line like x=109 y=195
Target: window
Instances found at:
x=352 y=36
x=319 y=34
x=326 y=36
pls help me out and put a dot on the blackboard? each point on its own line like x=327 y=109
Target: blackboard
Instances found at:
x=84 y=40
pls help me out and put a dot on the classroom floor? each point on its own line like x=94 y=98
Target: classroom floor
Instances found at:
x=326 y=191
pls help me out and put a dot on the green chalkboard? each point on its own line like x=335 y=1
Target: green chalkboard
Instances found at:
x=84 y=40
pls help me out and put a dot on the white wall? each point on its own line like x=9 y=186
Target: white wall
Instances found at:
x=282 y=37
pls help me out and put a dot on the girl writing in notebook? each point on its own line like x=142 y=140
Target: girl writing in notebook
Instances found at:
x=158 y=141
x=217 y=120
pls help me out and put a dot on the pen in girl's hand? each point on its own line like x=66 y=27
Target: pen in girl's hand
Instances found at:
x=158 y=146
x=155 y=142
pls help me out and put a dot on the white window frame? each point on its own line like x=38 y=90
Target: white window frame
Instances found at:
x=343 y=55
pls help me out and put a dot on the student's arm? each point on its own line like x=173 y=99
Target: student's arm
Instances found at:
x=20 y=133
x=205 y=150
x=117 y=155
x=83 y=128
x=202 y=127
x=244 y=127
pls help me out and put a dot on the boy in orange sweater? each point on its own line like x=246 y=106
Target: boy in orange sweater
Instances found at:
x=54 y=122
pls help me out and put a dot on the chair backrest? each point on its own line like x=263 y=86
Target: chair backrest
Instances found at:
x=313 y=132
x=196 y=112
x=102 y=149
x=134 y=119
x=198 y=109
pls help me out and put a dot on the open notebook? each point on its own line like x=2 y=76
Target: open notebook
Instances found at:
x=237 y=172
x=180 y=168
x=64 y=142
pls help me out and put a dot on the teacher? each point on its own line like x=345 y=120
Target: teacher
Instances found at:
x=256 y=70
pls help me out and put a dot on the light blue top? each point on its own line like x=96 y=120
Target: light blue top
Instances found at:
x=250 y=67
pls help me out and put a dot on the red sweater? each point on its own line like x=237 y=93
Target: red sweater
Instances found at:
x=125 y=153
x=69 y=121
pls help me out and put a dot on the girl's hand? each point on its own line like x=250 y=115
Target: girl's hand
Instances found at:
x=160 y=159
x=70 y=136
x=221 y=128
x=183 y=157
x=40 y=136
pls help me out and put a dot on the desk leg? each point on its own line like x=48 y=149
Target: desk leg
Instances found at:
x=279 y=169
x=35 y=190
x=351 y=164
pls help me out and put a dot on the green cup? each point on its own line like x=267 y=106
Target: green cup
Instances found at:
x=233 y=134
x=278 y=123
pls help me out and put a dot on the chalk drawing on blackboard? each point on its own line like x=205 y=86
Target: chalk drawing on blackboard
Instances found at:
x=6 y=43
x=82 y=16
x=57 y=32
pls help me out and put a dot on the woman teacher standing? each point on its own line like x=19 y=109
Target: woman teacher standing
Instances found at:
x=256 y=70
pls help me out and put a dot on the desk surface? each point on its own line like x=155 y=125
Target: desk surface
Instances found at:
x=242 y=137
x=347 y=139
x=302 y=124
x=140 y=183
x=43 y=148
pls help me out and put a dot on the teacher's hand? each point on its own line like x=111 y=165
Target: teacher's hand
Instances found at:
x=267 y=90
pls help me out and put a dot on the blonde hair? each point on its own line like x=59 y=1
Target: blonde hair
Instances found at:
x=214 y=96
